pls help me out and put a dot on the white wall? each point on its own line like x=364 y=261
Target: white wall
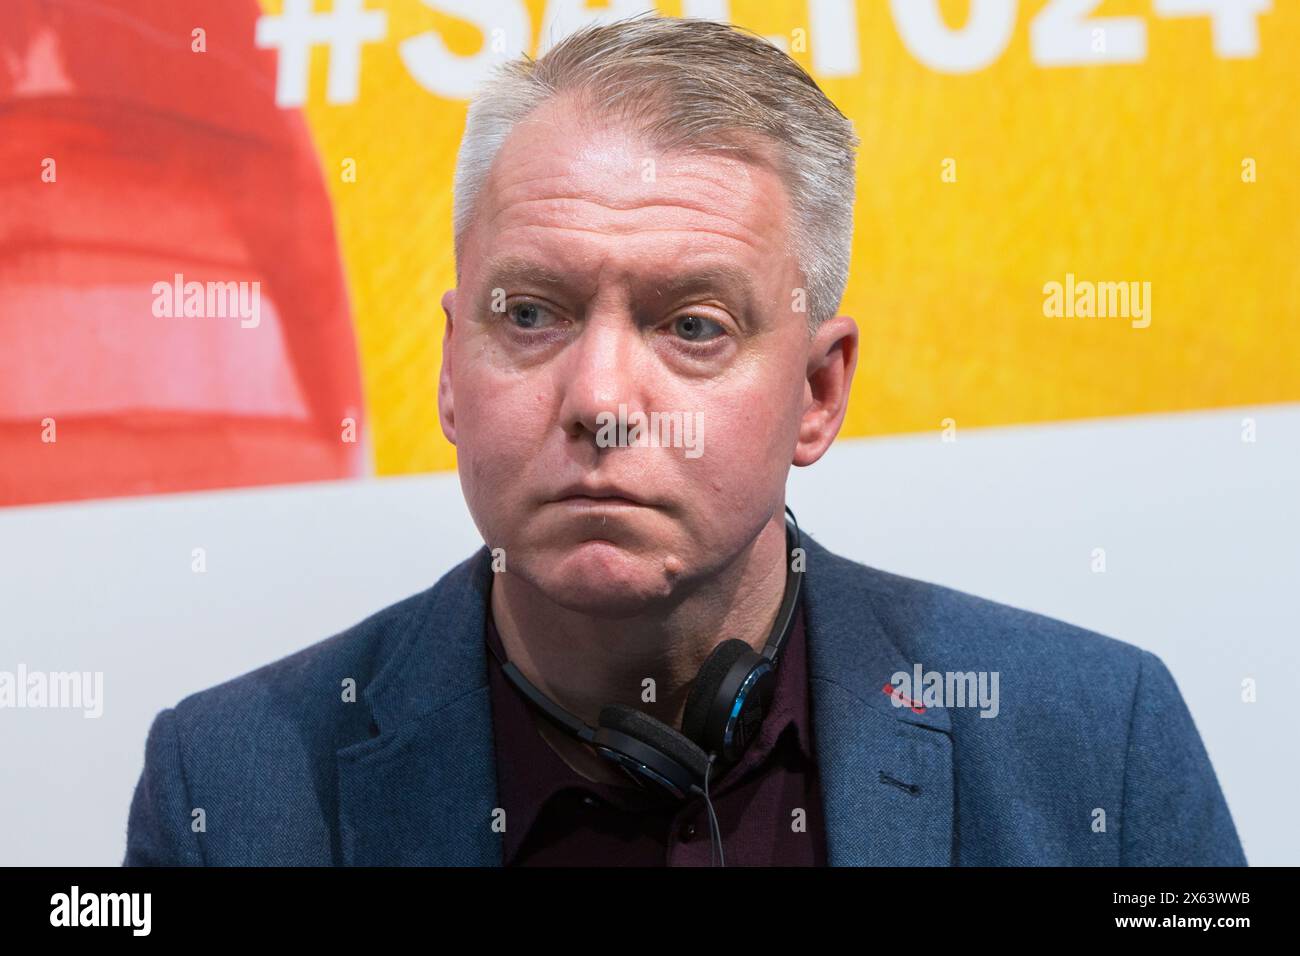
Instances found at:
x=1201 y=532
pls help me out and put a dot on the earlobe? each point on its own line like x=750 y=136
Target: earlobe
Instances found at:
x=832 y=359
x=446 y=394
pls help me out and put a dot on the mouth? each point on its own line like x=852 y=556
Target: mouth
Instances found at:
x=608 y=501
x=607 y=497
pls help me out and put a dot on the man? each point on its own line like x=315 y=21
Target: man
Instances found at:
x=655 y=219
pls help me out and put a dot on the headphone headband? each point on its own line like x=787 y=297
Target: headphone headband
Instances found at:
x=793 y=588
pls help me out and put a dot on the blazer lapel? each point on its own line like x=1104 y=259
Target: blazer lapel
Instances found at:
x=422 y=792
x=886 y=771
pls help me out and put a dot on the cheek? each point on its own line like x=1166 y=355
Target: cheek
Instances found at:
x=751 y=429
x=500 y=421
x=746 y=454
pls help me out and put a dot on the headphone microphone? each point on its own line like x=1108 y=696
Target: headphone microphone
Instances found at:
x=729 y=698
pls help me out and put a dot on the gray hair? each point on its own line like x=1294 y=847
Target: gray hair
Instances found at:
x=691 y=85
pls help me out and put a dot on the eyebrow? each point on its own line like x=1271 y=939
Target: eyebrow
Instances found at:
x=733 y=280
x=517 y=269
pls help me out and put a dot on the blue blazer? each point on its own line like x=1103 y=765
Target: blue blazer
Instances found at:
x=1092 y=759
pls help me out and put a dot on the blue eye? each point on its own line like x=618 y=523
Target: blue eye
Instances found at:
x=528 y=316
x=696 y=328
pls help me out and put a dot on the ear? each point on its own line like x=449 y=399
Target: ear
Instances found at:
x=446 y=394
x=832 y=358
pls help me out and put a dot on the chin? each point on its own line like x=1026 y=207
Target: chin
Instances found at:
x=601 y=579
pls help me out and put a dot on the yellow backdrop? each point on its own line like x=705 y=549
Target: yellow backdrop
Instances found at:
x=995 y=160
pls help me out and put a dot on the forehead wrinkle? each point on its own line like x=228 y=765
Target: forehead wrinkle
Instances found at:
x=615 y=227
x=665 y=193
x=719 y=245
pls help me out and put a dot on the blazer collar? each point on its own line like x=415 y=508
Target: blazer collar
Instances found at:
x=423 y=791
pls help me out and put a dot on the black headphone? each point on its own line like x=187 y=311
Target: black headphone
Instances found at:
x=729 y=698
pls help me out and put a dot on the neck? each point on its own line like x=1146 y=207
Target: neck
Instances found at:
x=584 y=663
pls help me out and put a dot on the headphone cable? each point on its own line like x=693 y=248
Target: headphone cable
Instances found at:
x=715 y=831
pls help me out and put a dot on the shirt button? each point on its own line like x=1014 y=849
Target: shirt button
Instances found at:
x=687 y=831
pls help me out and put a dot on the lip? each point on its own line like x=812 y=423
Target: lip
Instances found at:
x=600 y=495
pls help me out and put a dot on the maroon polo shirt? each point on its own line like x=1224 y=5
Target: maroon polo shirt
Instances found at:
x=556 y=817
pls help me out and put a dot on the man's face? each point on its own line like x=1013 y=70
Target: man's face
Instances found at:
x=601 y=274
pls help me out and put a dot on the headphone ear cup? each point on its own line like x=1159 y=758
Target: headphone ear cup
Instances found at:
x=649 y=750
x=733 y=669
x=713 y=673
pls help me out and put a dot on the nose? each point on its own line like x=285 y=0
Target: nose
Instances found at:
x=603 y=369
